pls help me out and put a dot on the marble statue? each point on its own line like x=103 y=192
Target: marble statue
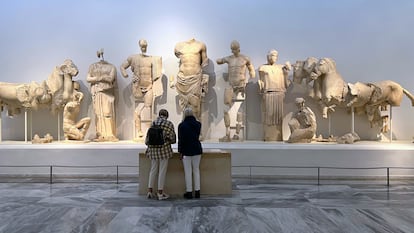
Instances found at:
x=147 y=70
x=348 y=138
x=72 y=128
x=371 y=97
x=333 y=87
x=60 y=84
x=365 y=97
x=46 y=139
x=273 y=83
x=191 y=83
x=302 y=70
x=17 y=96
x=237 y=65
x=102 y=77
x=303 y=123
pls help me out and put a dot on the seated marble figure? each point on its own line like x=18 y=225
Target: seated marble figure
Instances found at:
x=303 y=123
x=73 y=129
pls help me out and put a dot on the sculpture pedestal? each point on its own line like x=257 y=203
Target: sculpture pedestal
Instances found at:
x=215 y=173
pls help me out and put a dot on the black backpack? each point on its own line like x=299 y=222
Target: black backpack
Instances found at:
x=155 y=136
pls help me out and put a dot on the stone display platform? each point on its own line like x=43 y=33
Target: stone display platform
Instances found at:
x=247 y=158
x=215 y=173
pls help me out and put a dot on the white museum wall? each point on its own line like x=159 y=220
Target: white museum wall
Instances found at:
x=369 y=42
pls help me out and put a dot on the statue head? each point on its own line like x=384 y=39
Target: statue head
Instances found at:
x=143 y=45
x=272 y=56
x=235 y=47
x=100 y=54
x=300 y=102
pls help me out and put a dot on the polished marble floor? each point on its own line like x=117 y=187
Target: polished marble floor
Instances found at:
x=255 y=206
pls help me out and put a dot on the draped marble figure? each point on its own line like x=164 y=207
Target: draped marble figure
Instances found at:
x=273 y=84
x=191 y=83
x=102 y=77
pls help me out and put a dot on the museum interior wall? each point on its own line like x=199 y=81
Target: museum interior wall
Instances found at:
x=368 y=43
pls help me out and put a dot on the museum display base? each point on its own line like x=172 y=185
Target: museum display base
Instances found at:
x=249 y=158
x=215 y=173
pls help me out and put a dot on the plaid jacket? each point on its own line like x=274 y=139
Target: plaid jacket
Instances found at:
x=164 y=151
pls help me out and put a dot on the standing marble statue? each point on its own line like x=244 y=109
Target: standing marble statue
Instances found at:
x=73 y=129
x=237 y=64
x=303 y=123
x=147 y=70
x=191 y=83
x=102 y=77
x=273 y=83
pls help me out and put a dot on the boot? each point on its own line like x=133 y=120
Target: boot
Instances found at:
x=197 y=194
x=188 y=195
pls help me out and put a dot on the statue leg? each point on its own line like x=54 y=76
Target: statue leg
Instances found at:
x=83 y=126
x=137 y=120
x=195 y=103
x=228 y=102
x=239 y=125
x=226 y=138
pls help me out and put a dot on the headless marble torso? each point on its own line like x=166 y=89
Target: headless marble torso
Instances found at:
x=191 y=54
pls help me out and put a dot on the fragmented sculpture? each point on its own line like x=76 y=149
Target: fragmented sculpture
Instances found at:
x=302 y=70
x=46 y=139
x=348 y=138
x=147 y=71
x=102 y=77
x=273 y=83
x=365 y=97
x=303 y=123
x=237 y=65
x=18 y=96
x=191 y=83
x=72 y=128
x=60 y=84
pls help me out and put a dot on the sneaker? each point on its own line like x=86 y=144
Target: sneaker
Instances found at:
x=162 y=196
x=150 y=195
x=188 y=195
x=197 y=194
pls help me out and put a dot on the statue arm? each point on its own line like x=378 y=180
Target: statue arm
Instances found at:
x=204 y=58
x=90 y=78
x=125 y=66
x=262 y=75
x=250 y=67
x=221 y=61
x=286 y=68
x=109 y=78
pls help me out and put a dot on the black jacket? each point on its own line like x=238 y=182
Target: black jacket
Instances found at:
x=188 y=137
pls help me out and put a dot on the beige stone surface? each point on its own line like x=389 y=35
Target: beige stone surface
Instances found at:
x=215 y=173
